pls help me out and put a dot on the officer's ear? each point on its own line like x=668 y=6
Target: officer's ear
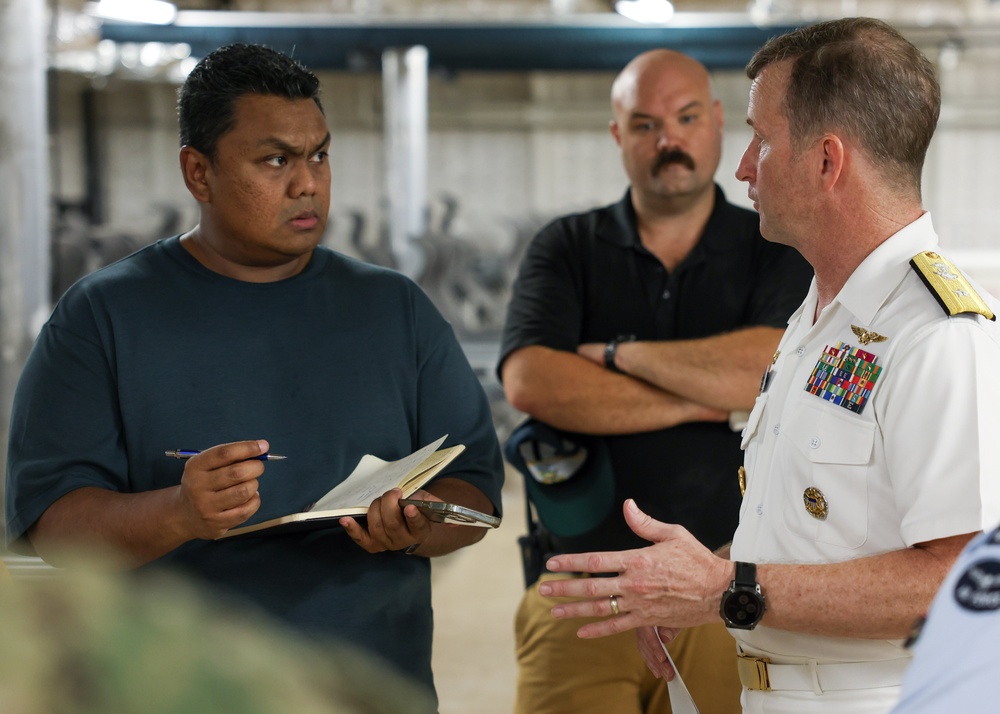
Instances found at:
x=832 y=157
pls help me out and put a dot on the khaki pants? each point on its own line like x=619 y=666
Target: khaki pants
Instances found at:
x=559 y=673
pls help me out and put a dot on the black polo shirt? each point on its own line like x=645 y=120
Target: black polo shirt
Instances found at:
x=587 y=278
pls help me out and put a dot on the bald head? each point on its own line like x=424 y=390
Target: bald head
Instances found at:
x=668 y=126
x=644 y=73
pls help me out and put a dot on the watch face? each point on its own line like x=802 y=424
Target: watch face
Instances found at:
x=742 y=608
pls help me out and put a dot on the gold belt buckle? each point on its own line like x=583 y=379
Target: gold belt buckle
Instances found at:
x=753 y=672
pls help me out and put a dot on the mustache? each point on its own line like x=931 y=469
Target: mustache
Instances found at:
x=672 y=156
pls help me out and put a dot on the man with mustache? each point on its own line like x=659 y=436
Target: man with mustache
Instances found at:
x=245 y=329
x=635 y=330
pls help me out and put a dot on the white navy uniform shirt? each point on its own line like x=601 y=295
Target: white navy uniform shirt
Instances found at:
x=911 y=455
x=954 y=665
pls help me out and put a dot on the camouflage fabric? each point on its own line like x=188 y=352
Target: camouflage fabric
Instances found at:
x=88 y=642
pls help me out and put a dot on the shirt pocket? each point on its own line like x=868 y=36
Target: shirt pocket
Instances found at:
x=832 y=454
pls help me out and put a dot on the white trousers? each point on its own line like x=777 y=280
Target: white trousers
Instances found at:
x=857 y=701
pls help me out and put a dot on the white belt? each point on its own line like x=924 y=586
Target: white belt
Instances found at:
x=758 y=673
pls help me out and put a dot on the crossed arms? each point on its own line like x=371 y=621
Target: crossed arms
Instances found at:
x=666 y=382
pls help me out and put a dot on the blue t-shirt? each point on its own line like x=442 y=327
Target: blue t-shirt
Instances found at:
x=157 y=352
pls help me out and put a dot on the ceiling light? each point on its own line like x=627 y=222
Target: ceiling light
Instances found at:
x=150 y=12
x=648 y=12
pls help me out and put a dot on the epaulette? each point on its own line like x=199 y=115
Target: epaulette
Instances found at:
x=949 y=286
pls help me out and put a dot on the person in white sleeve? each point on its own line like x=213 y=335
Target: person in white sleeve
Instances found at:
x=871 y=456
x=954 y=652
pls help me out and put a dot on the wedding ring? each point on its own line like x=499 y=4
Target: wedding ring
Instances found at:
x=614 y=604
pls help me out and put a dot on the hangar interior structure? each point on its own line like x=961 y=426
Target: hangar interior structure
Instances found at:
x=459 y=128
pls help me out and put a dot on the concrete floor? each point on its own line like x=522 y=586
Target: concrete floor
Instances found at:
x=476 y=592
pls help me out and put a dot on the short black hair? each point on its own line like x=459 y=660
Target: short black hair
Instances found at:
x=207 y=99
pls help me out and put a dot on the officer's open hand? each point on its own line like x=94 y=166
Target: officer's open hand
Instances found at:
x=676 y=582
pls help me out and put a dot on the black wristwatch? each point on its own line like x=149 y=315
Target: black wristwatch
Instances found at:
x=743 y=603
x=611 y=349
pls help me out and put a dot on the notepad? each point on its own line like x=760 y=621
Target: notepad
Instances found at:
x=370 y=479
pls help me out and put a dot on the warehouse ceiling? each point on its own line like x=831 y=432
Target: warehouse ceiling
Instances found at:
x=484 y=35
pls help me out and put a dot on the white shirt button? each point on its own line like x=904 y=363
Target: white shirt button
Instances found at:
x=760 y=509
x=800 y=351
x=814 y=442
x=777 y=428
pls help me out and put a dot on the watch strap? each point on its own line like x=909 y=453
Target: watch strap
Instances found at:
x=611 y=349
x=746 y=575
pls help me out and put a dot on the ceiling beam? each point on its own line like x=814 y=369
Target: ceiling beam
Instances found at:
x=582 y=43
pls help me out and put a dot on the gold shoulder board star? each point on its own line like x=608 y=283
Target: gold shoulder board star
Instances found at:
x=866 y=336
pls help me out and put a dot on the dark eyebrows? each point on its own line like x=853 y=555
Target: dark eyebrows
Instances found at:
x=756 y=132
x=696 y=104
x=285 y=148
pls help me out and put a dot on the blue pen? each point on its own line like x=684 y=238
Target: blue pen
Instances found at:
x=188 y=453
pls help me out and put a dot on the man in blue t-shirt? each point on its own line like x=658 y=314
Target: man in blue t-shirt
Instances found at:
x=239 y=337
